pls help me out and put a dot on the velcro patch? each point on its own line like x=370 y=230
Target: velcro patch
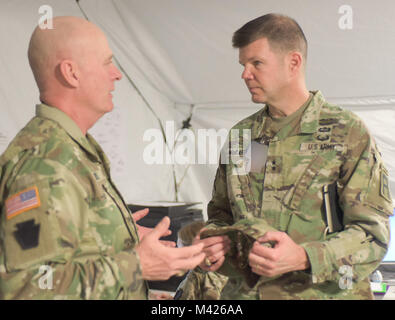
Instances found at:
x=23 y=201
x=384 y=188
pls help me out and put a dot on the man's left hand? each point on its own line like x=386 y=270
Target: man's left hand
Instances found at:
x=285 y=256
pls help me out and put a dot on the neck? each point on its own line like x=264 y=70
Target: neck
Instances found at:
x=74 y=110
x=290 y=102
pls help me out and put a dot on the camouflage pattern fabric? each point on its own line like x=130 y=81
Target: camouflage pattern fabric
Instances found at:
x=330 y=145
x=202 y=285
x=61 y=210
x=199 y=284
x=242 y=234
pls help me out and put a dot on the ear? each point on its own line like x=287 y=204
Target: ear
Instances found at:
x=69 y=73
x=295 y=62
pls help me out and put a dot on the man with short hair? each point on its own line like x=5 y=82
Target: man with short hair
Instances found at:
x=65 y=230
x=300 y=146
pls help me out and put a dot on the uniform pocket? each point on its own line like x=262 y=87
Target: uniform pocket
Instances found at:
x=292 y=199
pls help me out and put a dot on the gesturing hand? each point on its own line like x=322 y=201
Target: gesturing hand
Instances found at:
x=142 y=231
x=159 y=262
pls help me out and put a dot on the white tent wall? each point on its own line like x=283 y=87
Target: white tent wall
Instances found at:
x=143 y=64
x=177 y=60
x=120 y=132
x=18 y=92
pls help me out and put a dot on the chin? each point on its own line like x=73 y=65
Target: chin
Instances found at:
x=109 y=107
x=258 y=99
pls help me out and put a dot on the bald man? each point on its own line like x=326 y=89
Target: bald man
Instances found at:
x=65 y=230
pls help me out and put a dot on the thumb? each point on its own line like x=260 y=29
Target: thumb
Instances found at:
x=162 y=228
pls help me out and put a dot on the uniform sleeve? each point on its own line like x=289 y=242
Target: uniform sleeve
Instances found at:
x=51 y=249
x=367 y=204
x=218 y=209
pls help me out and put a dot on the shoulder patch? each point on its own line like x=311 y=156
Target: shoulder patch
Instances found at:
x=23 y=201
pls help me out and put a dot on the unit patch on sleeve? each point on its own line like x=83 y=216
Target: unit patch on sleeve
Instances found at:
x=21 y=202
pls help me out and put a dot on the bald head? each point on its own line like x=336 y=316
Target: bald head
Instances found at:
x=70 y=38
x=73 y=67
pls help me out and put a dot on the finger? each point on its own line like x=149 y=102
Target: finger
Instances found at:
x=260 y=263
x=143 y=229
x=189 y=251
x=166 y=243
x=189 y=263
x=263 y=251
x=257 y=271
x=211 y=241
x=263 y=272
x=168 y=233
x=140 y=214
x=161 y=228
x=215 y=249
x=274 y=236
x=215 y=266
x=196 y=239
x=217 y=256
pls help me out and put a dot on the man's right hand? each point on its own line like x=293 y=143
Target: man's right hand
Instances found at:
x=159 y=262
x=215 y=249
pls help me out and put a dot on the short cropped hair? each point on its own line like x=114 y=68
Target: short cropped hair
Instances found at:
x=282 y=32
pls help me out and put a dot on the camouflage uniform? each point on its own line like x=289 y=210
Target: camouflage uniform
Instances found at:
x=198 y=284
x=60 y=209
x=328 y=145
x=202 y=285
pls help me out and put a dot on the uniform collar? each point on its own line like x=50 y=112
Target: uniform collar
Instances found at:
x=52 y=113
x=310 y=118
x=309 y=121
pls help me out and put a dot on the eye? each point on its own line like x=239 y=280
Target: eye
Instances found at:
x=257 y=63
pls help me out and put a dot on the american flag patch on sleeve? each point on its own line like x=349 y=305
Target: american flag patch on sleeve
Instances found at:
x=22 y=201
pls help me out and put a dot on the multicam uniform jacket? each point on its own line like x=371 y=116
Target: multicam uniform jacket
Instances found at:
x=65 y=231
x=330 y=145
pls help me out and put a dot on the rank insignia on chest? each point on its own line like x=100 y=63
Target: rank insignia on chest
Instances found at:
x=21 y=202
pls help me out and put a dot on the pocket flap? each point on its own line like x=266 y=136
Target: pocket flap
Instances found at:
x=294 y=195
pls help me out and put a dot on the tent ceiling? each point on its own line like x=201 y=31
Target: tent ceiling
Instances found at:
x=196 y=37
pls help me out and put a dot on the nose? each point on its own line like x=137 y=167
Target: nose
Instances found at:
x=116 y=74
x=247 y=74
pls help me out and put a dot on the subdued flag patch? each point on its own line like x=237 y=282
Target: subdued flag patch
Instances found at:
x=23 y=201
x=384 y=185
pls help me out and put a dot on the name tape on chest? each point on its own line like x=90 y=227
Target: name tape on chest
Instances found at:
x=322 y=147
x=21 y=202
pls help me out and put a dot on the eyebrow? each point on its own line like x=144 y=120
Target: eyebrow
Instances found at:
x=252 y=59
